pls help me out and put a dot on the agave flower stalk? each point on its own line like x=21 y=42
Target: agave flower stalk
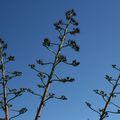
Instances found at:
x=4 y=82
x=63 y=30
x=108 y=98
x=7 y=95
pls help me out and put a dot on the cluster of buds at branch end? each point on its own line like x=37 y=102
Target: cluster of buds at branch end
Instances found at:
x=3 y=45
x=22 y=111
x=114 y=66
x=40 y=62
x=32 y=66
x=100 y=92
x=63 y=97
x=11 y=58
x=52 y=95
x=58 y=25
x=70 y=14
x=88 y=104
x=16 y=73
x=62 y=58
x=40 y=86
x=107 y=77
x=46 y=42
x=41 y=75
x=75 y=63
x=75 y=31
x=74 y=22
x=67 y=79
x=73 y=45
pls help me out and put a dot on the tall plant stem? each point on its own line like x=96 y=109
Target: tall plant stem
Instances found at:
x=51 y=74
x=102 y=116
x=4 y=88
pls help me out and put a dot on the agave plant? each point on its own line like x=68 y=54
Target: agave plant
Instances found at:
x=7 y=94
x=66 y=28
x=108 y=97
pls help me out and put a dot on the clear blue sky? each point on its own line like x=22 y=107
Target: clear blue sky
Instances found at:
x=24 y=24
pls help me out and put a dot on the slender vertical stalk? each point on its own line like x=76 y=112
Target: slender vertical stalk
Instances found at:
x=4 y=88
x=51 y=74
x=109 y=99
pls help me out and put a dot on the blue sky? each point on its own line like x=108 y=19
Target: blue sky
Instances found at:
x=25 y=23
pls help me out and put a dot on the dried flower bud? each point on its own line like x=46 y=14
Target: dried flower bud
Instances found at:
x=7 y=77
x=23 y=89
x=114 y=66
x=51 y=95
x=88 y=104
x=62 y=58
x=41 y=75
x=11 y=58
x=75 y=31
x=3 y=45
x=40 y=86
x=32 y=65
x=30 y=91
x=75 y=63
x=63 y=98
x=100 y=92
x=69 y=14
x=40 y=62
x=74 y=22
x=73 y=45
x=108 y=77
x=46 y=42
x=58 y=25
x=13 y=90
x=23 y=110
x=4 y=54
x=16 y=73
x=67 y=79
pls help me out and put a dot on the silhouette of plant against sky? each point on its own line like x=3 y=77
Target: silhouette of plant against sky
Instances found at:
x=7 y=94
x=65 y=29
x=108 y=98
